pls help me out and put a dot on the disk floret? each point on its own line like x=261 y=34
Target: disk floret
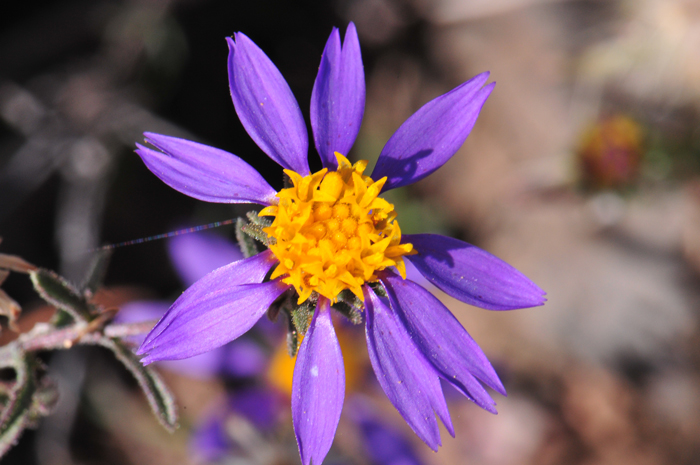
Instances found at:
x=332 y=231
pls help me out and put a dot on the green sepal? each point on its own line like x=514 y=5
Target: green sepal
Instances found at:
x=245 y=241
x=292 y=337
x=378 y=288
x=253 y=229
x=61 y=294
x=256 y=232
x=301 y=316
x=259 y=220
x=349 y=306
x=349 y=312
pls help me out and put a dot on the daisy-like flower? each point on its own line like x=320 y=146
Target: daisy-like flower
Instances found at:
x=333 y=234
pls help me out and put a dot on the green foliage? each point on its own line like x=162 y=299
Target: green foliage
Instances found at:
x=61 y=294
x=159 y=396
x=32 y=394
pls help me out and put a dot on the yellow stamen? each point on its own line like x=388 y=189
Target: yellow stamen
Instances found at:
x=333 y=233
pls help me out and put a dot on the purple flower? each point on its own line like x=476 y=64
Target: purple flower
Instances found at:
x=332 y=232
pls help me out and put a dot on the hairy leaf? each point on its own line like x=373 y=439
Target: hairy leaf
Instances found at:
x=349 y=306
x=159 y=396
x=16 y=413
x=61 y=294
x=245 y=241
x=301 y=317
x=259 y=220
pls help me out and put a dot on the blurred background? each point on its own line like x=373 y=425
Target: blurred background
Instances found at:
x=583 y=171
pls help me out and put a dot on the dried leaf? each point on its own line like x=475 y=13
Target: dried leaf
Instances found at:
x=14 y=263
x=10 y=309
x=159 y=396
x=61 y=294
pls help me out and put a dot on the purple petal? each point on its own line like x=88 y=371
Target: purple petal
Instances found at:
x=266 y=106
x=472 y=275
x=195 y=255
x=432 y=134
x=318 y=388
x=443 y=340
x=203 y=366
x=204 y=172
x=409 y=381
x=212 y=320
x=414 y=275
x=208 y=305
x=249 y=271
x=338 y=97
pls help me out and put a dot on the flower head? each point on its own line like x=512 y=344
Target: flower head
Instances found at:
x=332 y=232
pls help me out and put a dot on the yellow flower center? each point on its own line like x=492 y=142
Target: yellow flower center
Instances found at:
x=332 y=232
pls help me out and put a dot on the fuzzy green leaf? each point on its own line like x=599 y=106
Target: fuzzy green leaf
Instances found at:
x=159 y=396
x=349 y=306
x=259 y=220
x=245 y=241
x=256 y=232
x=301 y=316
x=16 y=413
x=61 y=294
x=378 y=288
x=292 y=338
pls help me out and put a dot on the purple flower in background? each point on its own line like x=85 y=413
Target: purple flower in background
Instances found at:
x=383 y=444
x=332 y=232
x=260 y=407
